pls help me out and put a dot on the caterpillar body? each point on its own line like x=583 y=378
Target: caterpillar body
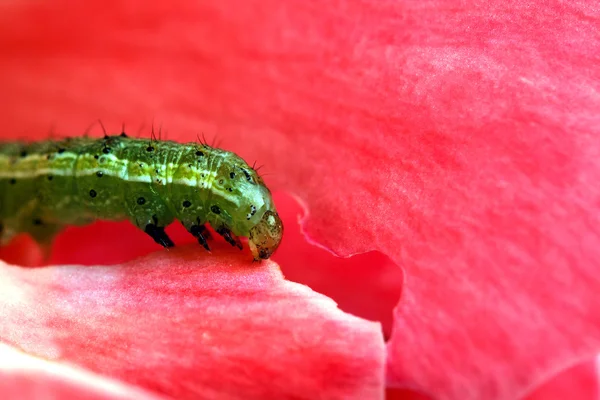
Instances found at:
x=49 y=184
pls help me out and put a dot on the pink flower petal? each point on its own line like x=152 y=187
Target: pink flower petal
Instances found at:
x=367 y=285
x=369 y=293
x=185 y=326
x=576 y=382
x=25 y=377
x=460 y=139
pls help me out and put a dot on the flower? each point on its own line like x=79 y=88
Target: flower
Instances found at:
x=456 y=142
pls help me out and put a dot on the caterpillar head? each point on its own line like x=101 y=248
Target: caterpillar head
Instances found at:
x=263 y=227
x=266 y=235
x=246 y=207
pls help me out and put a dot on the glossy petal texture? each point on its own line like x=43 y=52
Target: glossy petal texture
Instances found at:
x=25 y=377
x=458 y=138
x=216 y=328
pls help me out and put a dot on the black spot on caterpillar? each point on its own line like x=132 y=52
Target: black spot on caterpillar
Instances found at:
x=150 y=184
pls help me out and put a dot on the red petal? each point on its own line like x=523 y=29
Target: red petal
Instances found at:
x=460 y=141
x=367 y=285
x=25 y=377
x=188 y=326
x=577 y=382
x=370 y=293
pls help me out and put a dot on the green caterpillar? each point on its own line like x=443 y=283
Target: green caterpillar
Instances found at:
x=49 y=184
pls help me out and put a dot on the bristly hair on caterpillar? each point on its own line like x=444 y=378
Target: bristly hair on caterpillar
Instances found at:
x=49 y=184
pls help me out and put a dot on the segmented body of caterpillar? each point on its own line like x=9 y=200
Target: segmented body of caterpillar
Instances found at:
x=49 y=184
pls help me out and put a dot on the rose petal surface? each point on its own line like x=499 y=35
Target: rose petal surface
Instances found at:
x=458 y=138
x=579 y=382
x=367 y=285
x=214 y=327
x=25 y=377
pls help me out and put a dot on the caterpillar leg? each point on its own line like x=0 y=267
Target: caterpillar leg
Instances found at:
x=148 y=213
x=43 y=233
x=202 y=234
x=230 y=237
x=6 y=234
x=158 y=234
x=206 y=233
x=155 y=229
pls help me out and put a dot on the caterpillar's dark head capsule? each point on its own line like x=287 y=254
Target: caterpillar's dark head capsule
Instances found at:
x=266 y=235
